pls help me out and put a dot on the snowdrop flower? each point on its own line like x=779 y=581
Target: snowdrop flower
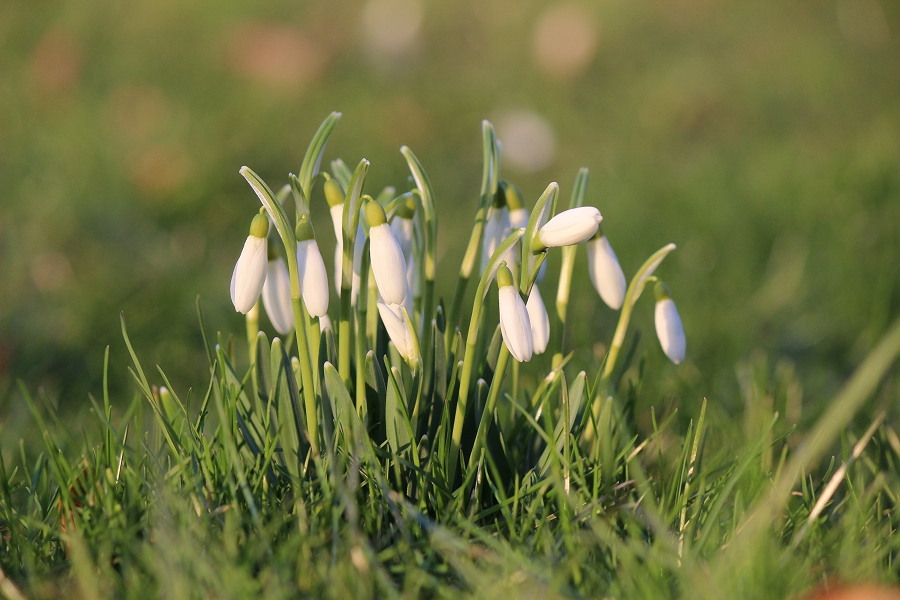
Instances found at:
x=514 y=322
x=276 y=295
x=334 y=195
x=311 y=270
x=605 y=272
x=668 y=325
x=324 y=323
x=496 y=230
x=386 y=256
x=398 y=330
x=540 y=322
x=403 y=228
x=250 y=271
x=570 y=227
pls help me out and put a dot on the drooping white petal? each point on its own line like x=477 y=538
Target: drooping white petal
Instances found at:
x=605 y=272
x=669 y=330
x=514 y=324
x=399 y=332
x=249 y=274
x=518 y=218
x=276 y=295
x=313 y=277
x=496 y=230
x=540 y=322
x=388 y=265
x=570 y=227
x=324 y=323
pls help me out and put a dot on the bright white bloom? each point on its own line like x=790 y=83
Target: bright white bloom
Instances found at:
x=496 y=230
x=386 y=256
x=570 y=227
x=514 y=322
x=276 y=296
x=605 y=272
x=250 y=271
x=540 y=322
x=668 y=325
x=313 y=277
x=324 y=323
x=392 y=317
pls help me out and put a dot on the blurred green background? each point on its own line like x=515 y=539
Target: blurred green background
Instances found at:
x=761 y=137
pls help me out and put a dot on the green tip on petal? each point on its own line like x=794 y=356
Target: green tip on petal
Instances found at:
x=304 y=230
x=259 y=226
x=407 y=210
x=599 y=233
x=661 y=291
x=334 y=195
x=375 y=214
x=513 y=195
x=504 y=276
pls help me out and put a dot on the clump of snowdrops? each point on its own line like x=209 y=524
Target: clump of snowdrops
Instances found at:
x=415 y=388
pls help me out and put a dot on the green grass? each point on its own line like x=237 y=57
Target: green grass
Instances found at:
x=450 y=476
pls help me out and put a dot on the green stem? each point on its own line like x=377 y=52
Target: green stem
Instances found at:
x=489 y=177
x=252 y=333
x=362 y=303
x=469 y=358
x=306 y=376
x=487 y=415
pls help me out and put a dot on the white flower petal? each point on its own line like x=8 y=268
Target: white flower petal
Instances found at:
x=669 y=330
x=324 y=323
x=570 y=227
x=393 y=320
x=514 y=324
x=313 y=277
x=276 y=295
x=388 y=265
x=540 y=322
x=249 y=274
x=605 y=272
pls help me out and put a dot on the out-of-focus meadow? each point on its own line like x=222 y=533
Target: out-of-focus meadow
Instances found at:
x=763 y=138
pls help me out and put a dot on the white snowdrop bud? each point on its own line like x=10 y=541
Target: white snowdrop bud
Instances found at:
x=570 y=227
x=514 y=322
x=250 y=271
x=518 y=214
x=324 y=323
x=605 y=272
x=311 y=270
x=540 y=322
x=518 y=218
x=668 y=325
x=397 y=329
x=386 y=256
x=276 y=296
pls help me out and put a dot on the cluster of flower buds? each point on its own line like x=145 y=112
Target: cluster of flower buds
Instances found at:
x=391 y=239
